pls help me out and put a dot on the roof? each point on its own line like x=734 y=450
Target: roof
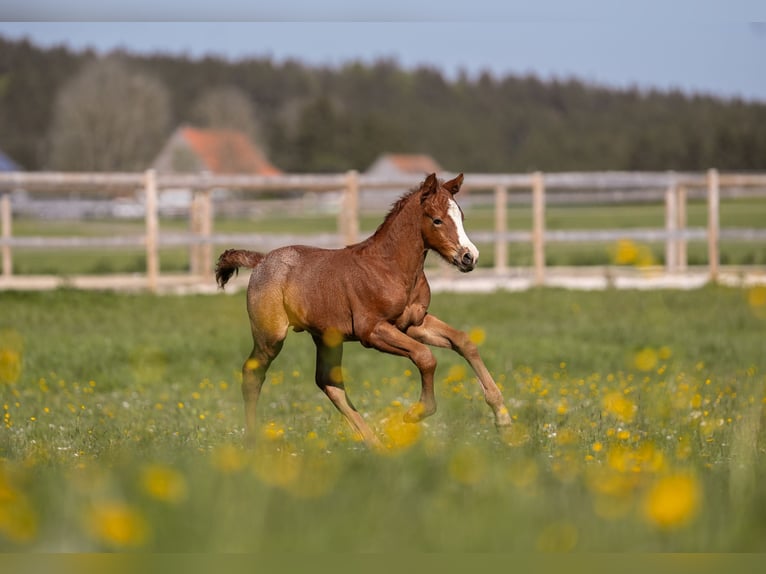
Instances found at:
x=416 y=164
x=221 y=151
x=7 y=164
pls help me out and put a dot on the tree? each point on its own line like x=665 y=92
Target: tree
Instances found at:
x=226 y=107
x=109 y=117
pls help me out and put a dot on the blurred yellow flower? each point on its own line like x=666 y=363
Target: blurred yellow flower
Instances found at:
x=18 y=522
x=10 y=366
x=625 y=252
x=673 y=501
x=398 y=434
x=273 y=431
x=11 y=348
x=756 y=298
x=164 y=483
x=467 y=466
x=117 y=525
x=228 y=459
x=524 y=473
x=515 y=435
x=456 y=374
x=277 y=468
x=646 y=359
x=332 y=337
x=477 y=335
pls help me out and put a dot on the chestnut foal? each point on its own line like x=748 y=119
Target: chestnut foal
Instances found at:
x=374 y=292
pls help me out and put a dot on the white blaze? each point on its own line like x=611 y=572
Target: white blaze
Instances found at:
x=454 y=213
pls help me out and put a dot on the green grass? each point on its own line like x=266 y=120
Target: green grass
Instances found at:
x=739 y=213
x=637 y=427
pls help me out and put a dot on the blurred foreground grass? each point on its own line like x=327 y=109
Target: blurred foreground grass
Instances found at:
x=638 y=426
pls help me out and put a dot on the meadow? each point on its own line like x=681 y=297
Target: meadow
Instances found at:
x=637 y=427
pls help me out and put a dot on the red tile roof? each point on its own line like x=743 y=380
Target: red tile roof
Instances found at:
x=228 y=152
x=414 y=163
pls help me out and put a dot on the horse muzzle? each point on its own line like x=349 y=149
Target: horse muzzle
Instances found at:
x=465 y=260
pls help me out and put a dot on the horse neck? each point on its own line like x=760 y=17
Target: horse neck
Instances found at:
x=399 y=239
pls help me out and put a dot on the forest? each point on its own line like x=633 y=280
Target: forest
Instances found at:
x=78 y=110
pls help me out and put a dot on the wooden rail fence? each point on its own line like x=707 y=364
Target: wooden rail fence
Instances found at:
x=201 y=236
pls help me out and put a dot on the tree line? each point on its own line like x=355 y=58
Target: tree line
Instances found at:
x=77 y=110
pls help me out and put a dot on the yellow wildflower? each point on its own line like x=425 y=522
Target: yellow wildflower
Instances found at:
x=673 y=501
x=117 y=525
x=645 y=359
x=477 y=335
x=164 y=483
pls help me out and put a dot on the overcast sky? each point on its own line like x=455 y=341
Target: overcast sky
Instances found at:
x=698 y=46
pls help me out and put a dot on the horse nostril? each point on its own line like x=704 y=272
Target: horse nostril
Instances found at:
x=467 y=258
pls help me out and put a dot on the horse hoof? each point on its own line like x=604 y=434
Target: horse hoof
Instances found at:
x=417 y=413
x=513 y=435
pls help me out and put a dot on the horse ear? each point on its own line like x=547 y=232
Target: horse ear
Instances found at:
x=430 y=185
x=453 y=185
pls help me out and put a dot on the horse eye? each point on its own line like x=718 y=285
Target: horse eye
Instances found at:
x=437 y=221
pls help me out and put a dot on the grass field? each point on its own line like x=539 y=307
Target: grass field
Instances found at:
x=638 y=427
x=735 y=213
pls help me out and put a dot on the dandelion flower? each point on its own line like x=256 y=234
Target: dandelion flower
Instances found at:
x=117 y=525
x=626 y=252
x=673 y=501
x=164 y=483
x=228 y=459
x=398 y=434
x=645 y=359
x=477 y=335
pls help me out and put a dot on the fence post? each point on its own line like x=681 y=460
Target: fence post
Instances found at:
x=152 y=230
x=206 y=230
x=195 y=217
x=501 y=227
x=683 y=260
x=348 y=221
x=201 y=228
x=713 y=225
x=671 y=227
x=6 y=219
x=538 y=226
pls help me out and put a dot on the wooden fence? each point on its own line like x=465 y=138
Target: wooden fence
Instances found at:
x=201 y=236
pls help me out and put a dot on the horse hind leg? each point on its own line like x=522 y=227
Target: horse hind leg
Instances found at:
x=265 y=350
x=330 y=380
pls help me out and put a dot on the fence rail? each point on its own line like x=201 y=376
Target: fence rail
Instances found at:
x=677 y=187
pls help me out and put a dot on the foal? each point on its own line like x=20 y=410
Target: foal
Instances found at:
x=374 y=292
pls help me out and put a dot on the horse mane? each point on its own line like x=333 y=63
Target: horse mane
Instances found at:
x=397 y=207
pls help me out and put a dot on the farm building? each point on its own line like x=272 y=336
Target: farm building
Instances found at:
x=7 y=164
x=215 y=151
x=396 y=165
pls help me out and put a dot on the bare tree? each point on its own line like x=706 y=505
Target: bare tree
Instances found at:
x=226 y=107
x=108 y=117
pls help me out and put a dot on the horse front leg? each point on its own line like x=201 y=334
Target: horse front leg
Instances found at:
x=435 y=332
x=387 y=338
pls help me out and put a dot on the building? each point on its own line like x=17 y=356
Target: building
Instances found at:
x=400 y=164
x=413 y=167
x=214 y=151
x=7 y=164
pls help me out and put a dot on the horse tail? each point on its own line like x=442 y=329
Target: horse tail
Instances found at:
x=231 y=260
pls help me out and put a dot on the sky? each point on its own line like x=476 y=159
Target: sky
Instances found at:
x=696 y=46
